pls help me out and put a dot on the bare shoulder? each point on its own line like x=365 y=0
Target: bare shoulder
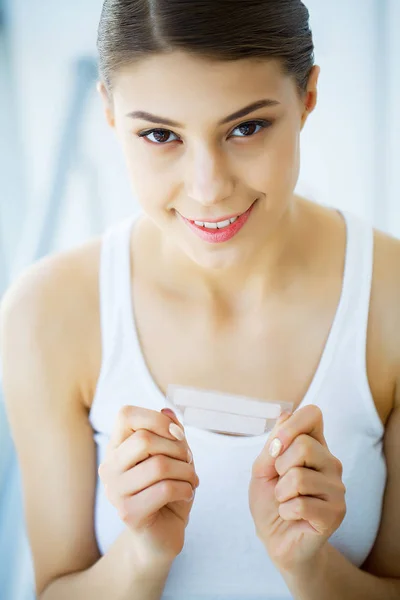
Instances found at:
x=54 y=304
x=383 y=335
x=48 y=323
x=385 y=291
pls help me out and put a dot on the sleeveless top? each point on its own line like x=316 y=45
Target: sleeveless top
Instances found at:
x=222 y=558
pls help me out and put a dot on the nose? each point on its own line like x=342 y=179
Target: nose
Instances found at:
x=208 y=178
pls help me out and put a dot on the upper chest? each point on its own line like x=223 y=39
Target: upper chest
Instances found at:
x=273 y=352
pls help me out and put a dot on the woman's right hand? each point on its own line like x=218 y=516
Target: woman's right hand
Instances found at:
x=148 y=478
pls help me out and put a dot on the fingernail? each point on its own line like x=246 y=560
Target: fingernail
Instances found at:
x=169 y=412
x=189 y=457
x=275 y=447
x=176 y=431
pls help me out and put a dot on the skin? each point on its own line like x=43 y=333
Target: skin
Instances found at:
x=253 y=307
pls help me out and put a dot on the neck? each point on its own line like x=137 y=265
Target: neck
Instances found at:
x=244 y=285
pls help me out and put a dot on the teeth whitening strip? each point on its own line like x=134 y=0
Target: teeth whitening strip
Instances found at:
x=224 y=413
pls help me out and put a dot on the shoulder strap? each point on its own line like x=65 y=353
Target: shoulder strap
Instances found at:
x=114 y=284
x=360 y=268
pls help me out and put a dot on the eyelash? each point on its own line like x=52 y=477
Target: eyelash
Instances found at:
x=264 y=124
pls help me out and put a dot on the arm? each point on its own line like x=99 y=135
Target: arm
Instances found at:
x=112 y=576
x=333 y=576
x=44 y=325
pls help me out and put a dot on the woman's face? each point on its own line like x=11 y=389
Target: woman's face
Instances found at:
x=196 y=160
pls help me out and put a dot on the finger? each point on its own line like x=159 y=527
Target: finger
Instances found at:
x=131 y=418
x=321 y=515
x=264 y=466
x=142 y=444
x=308 y=420
x=170 y=413
x=135 y=510
x=304 y=420
x=153 y=470
x=305 y=451
x=299 y=481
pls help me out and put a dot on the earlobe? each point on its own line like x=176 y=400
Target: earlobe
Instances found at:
x=110 y=118
x=311 y=94
x=101 y=88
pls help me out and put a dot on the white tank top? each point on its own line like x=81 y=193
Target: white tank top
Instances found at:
x=222 y=557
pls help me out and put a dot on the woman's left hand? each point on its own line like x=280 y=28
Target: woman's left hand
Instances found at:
x=297 y=500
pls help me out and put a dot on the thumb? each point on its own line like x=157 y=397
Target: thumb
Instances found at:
x=282 y=417
x=170 y=413
x=264 y=465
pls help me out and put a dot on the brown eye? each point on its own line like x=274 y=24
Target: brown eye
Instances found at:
x=249 y=128
x=160 y=136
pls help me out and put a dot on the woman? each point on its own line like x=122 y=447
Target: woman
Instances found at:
x=226 y=281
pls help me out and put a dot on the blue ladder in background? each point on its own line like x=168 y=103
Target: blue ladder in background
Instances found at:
x=16 y=570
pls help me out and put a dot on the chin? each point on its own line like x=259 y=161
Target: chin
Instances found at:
x=222 y=259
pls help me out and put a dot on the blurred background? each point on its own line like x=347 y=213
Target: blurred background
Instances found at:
x=63 y=178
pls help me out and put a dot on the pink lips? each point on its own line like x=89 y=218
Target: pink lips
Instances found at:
x=217 y=236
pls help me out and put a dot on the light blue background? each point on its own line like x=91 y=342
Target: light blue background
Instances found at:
x=63 y=178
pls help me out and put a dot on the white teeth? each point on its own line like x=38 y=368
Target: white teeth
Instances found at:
x=218 y=225
x=224 y=224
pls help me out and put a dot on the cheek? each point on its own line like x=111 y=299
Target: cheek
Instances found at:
x=276 y=169
x=152 y=191
x=286 y=162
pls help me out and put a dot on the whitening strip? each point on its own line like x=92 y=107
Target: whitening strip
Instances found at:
x=224 y=413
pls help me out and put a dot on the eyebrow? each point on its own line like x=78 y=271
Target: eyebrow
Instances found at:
x=145 y=116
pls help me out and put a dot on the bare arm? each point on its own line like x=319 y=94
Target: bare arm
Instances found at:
x=379 y=577
x=44 y=320
x=112 y=576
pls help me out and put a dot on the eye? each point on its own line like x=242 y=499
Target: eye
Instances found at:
x=249 y=126
x=161 y=136
x=158 y=133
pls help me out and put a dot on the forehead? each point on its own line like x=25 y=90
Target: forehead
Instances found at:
x=185 y=85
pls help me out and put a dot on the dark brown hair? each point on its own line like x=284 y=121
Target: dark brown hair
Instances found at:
x=130 y=30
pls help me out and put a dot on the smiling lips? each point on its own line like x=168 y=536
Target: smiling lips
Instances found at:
x=216 y=232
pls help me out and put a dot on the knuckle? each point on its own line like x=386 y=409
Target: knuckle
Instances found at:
x=160 y=465
x=305 y=444
x=125 y=412
x=300 y=506
x=166 y=489
x=117 y=460
x=143 y=435
x=184 y=450
x=338 y=465
x=316 y=411
x=124 y=509
x=289 y=431
x=191 y=490
x=298 y=478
